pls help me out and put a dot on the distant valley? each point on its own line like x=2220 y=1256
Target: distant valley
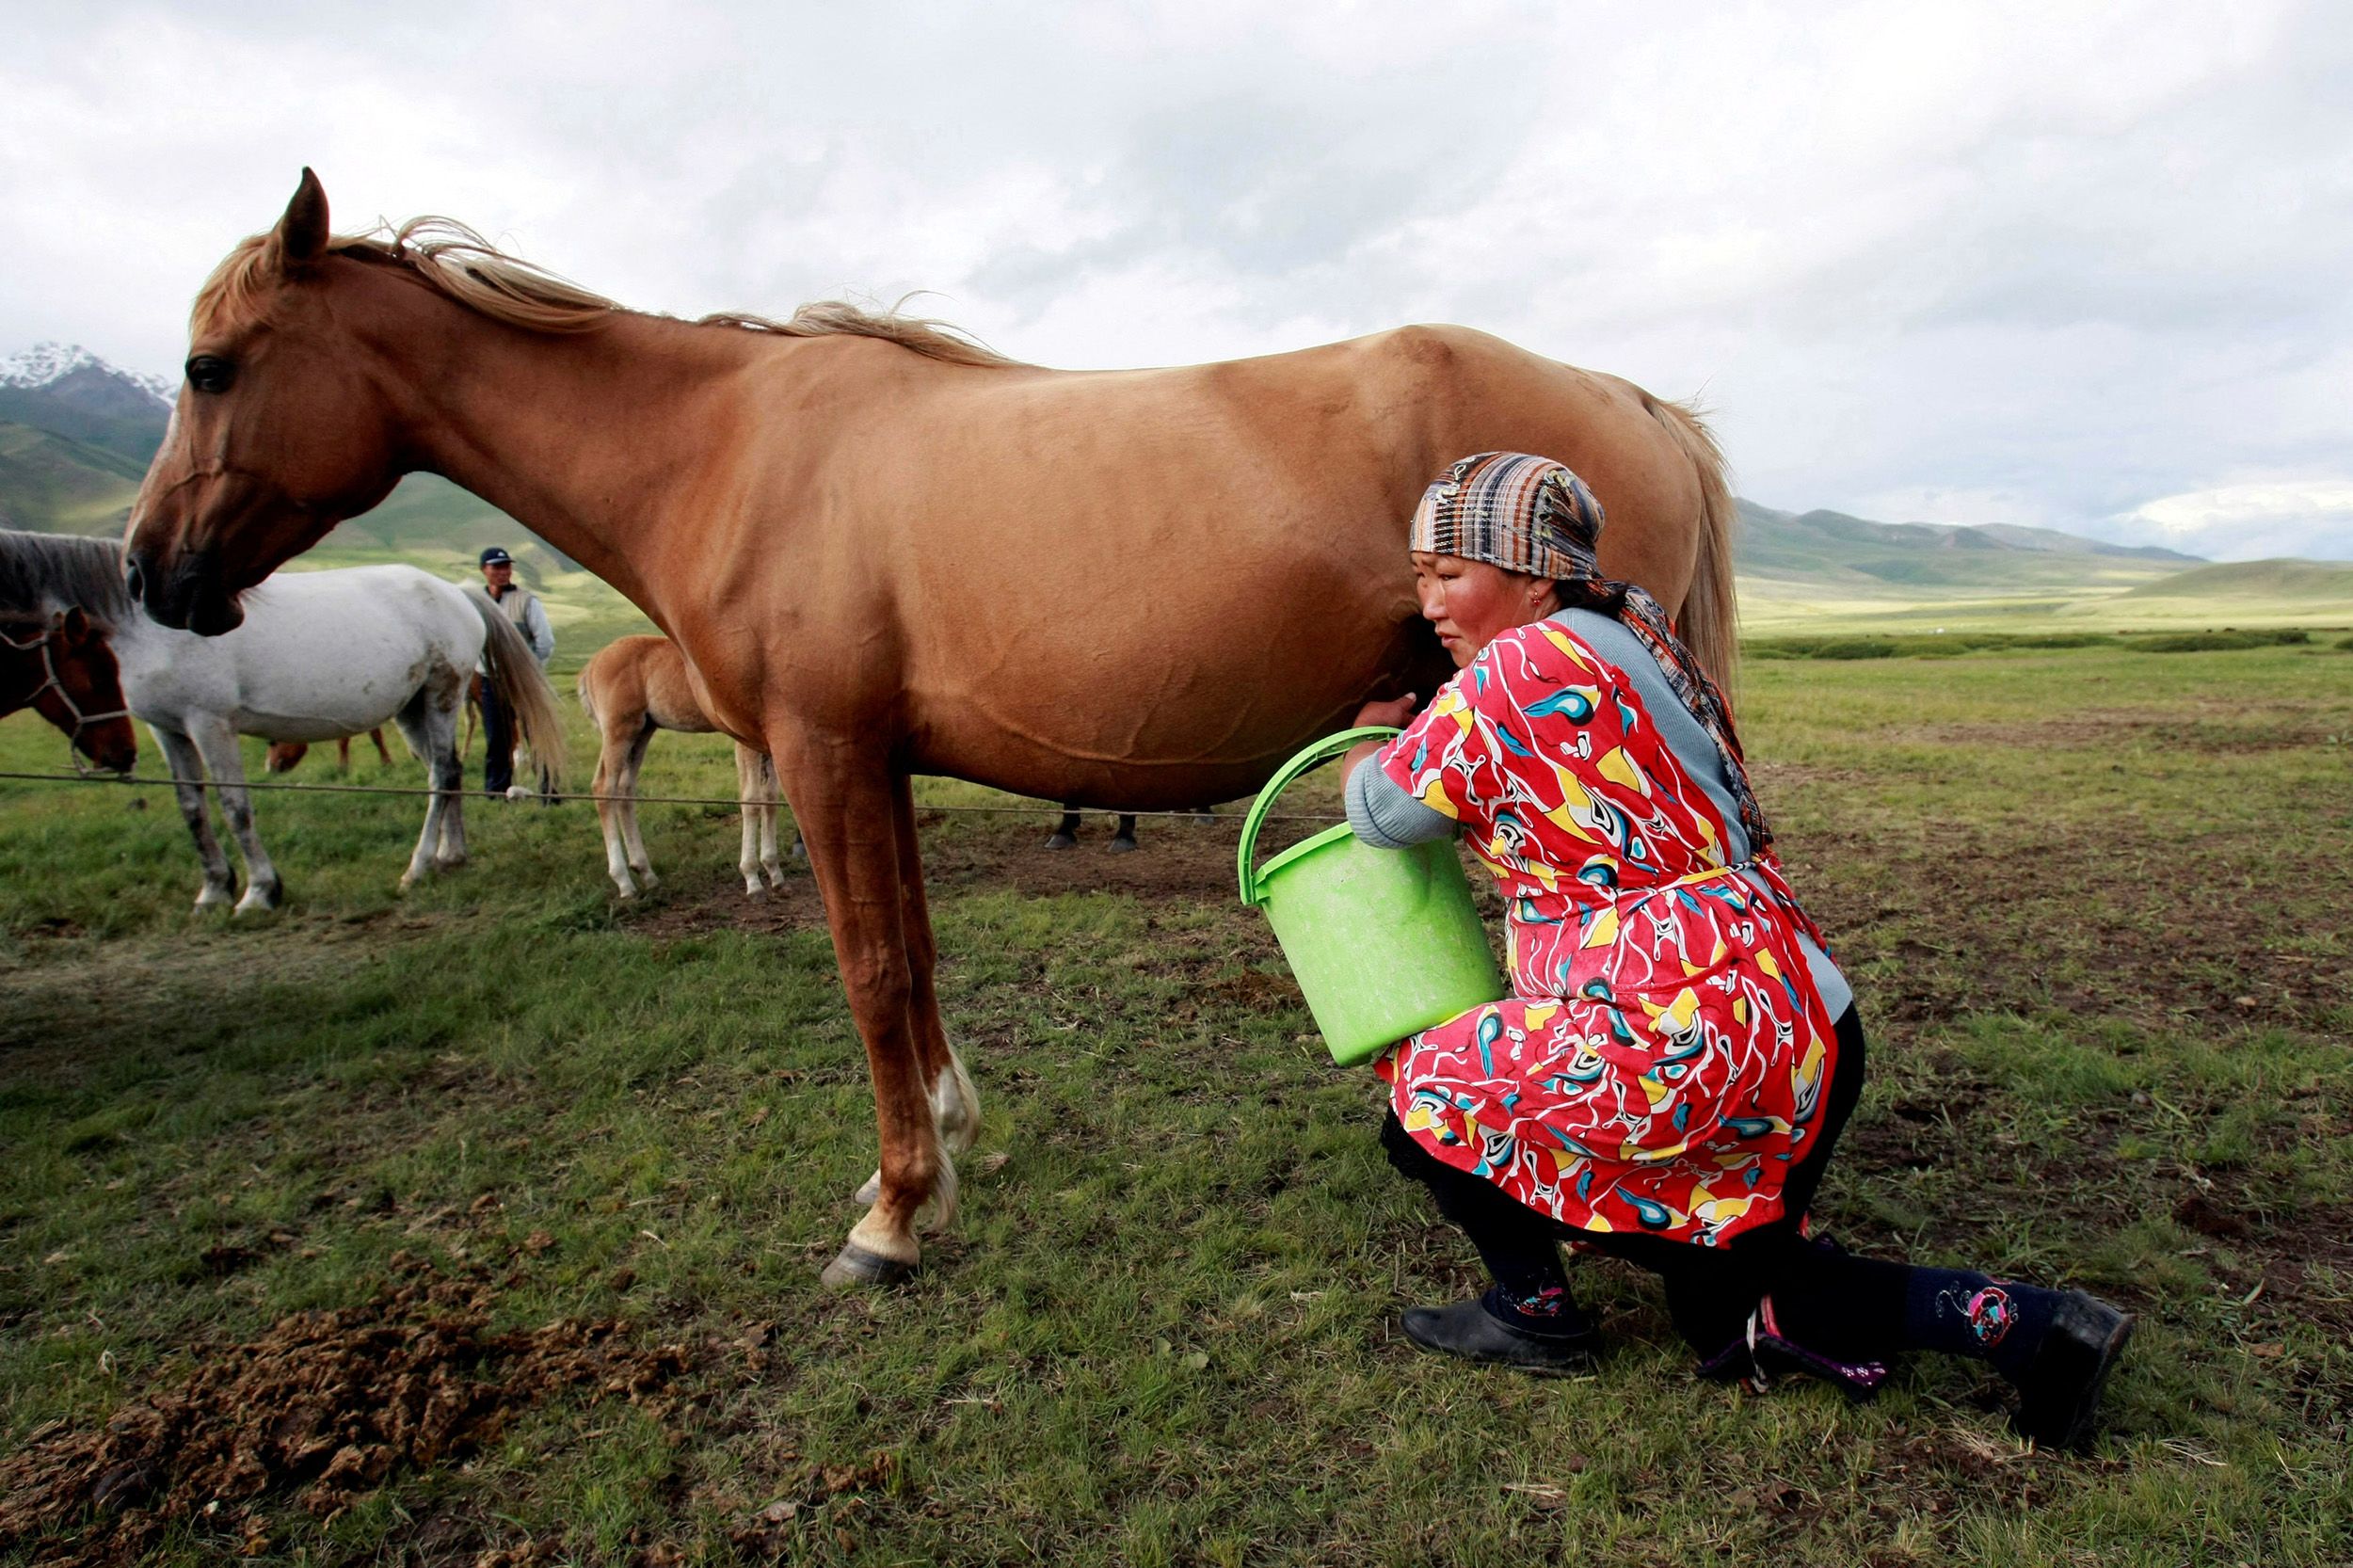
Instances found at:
x=77 y=434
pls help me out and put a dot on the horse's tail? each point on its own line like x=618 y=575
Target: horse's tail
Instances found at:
x=1709 y=625
x=587 y=692
x=520 y=686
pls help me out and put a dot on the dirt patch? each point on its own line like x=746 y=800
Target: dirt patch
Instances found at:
x=321 y=1409
x=2234 y=731
x=1944 y=919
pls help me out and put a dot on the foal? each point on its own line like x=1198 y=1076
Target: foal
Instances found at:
x=633 y=687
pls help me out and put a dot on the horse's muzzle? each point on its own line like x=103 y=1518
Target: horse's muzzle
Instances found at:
x=188 y=596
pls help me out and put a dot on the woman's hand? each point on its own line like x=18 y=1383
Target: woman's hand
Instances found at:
x=1392 y=714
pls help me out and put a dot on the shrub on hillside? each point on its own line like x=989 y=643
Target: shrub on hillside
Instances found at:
x=2218 y=642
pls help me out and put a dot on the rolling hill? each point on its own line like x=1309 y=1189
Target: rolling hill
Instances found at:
x=77 y=434
x=1825 y=548
x=54 y=484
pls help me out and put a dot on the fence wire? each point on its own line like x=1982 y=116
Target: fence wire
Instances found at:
x=287 y=786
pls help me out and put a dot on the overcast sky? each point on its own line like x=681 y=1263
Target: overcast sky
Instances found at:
x=2085 y=266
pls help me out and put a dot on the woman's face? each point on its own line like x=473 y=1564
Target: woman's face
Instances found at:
x=1472 y=602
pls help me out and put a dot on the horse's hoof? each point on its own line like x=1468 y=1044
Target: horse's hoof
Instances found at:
x=1062 y=840
x=755 y=890
x=854 y=1265
x=1122 y=846
x=455 y=863
x=870 y=1194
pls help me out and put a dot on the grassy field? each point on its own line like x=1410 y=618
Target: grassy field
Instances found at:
x=2233 y=594
x=483 y=1224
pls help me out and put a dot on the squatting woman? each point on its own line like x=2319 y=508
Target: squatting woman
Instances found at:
x=1670 y=1074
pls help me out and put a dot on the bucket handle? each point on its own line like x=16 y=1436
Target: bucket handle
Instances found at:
x=1318 y=752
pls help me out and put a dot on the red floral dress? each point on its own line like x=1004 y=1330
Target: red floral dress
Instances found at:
x=1661 y=1060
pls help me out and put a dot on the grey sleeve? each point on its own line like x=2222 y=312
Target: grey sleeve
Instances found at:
x=542 y=634
x=1385 y=816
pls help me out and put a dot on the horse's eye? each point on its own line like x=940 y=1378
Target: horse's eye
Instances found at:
x=209 y=373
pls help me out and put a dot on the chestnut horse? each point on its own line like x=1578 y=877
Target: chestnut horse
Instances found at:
x=287 y=756
x=887 y=550
x=633 y=687
x=57 y=659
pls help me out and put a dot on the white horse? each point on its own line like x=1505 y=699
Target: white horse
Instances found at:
x=323 y=655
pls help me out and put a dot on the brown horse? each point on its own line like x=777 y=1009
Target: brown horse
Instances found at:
x=633 y=687
x=287 y=756
x=887 y=552
x=60 y=665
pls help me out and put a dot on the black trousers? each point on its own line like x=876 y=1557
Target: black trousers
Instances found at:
x=1710 y=1290
x=498 y=735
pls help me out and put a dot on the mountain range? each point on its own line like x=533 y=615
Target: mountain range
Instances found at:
x=77 y=434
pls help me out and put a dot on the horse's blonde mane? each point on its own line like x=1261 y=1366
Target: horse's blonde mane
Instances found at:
x=469 y=270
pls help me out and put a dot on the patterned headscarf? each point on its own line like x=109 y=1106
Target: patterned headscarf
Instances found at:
x=1530 y=515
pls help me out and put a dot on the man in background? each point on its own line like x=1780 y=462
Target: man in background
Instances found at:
x=522 y=608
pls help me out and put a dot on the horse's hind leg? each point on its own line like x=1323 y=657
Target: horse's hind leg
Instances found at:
x=770 y=866
x=612 y=766
x=632 y=763
x=447 y=766
x=1066 y=834
x=181 y=758
x=1124 y=838
x=755 y=795
x=429 y=724
x=216 y=742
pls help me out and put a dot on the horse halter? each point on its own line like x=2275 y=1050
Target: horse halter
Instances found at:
x=50 y=683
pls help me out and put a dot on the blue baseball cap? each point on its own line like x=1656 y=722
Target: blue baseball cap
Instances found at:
x=495 y=556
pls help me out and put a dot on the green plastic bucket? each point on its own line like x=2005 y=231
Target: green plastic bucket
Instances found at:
x=1382 y=943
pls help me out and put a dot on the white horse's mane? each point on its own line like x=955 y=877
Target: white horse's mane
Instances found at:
x=42 y=573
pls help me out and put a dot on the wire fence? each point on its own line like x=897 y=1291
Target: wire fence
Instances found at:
x=288 y=786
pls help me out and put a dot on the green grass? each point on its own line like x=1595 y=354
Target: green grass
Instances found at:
x=1941 y=644
x=2093 y=902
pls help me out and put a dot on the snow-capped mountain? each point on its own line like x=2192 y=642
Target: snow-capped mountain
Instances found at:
x=45 y=365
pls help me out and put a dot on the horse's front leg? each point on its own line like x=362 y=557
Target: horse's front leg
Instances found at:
x=217 y=744
x=184 y=763
x=842 y=792
x=956 y=1104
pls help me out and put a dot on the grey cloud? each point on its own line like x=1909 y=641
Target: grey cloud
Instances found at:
x=2064 y=265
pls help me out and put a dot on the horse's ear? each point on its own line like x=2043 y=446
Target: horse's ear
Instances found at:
x=300 y=238
x=73 y=625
